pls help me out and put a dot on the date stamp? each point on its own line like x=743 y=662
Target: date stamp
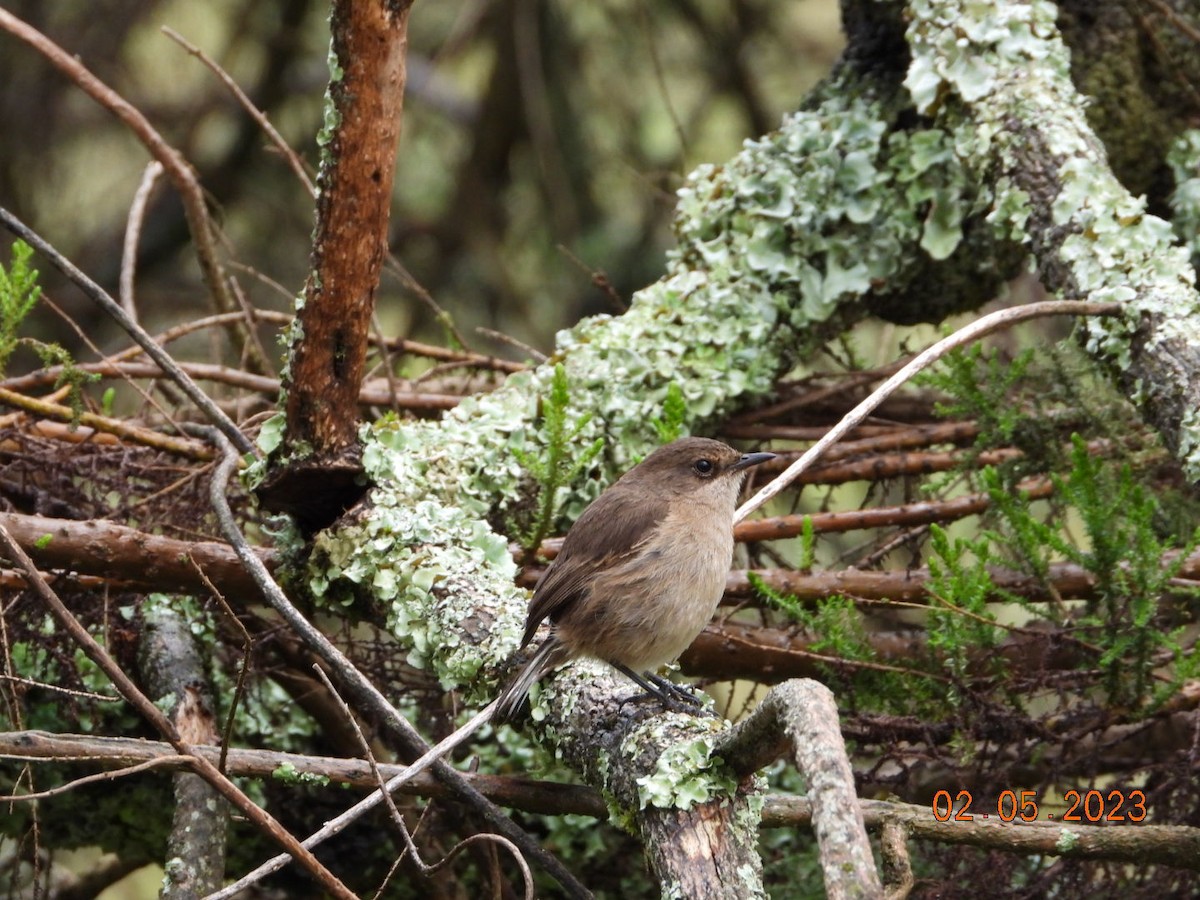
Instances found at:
x=1093 y=806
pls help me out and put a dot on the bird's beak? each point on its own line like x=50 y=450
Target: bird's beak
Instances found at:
x=751 y=459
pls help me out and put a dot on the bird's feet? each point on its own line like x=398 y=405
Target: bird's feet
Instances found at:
x=673 y=697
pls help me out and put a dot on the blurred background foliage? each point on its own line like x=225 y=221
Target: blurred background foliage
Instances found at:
x=542 y=143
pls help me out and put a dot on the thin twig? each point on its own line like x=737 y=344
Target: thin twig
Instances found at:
x=977 y=329
x=130 y=691
x=181 y=446
x=239 y=688
x=111 y=775
x=98 y=295
x=133 y=231
x=293 y=160
x=535 y=354
x=386 y=795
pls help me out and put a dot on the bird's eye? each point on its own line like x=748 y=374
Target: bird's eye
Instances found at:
x=703 y=467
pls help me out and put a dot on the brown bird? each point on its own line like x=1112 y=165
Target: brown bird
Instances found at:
x=642 y=570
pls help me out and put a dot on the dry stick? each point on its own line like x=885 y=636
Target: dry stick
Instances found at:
x=923 y=360
x=339 y=823
x=132 y=328
x=363 y=692
x=177 y=168
x=255 y=113
x=145 y=436
x=133 y=231
x=539 y=797
x=386 y=795
x=1176 y=845
x=368 y=395
x=416 y=348
x=239 y=688
x=170 y=762
x=123 y=683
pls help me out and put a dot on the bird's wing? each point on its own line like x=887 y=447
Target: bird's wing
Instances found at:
x=608 y=533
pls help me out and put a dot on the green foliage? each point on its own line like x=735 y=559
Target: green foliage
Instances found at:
x=980 y=387
x=808 y=545
x=1132 y=567
x=19 y=293
x=289 y=774
x=559 y=463
x=962 y=623
x=670 y=425
x=839 y=633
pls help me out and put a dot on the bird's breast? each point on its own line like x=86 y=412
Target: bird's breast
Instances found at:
x=645 y=611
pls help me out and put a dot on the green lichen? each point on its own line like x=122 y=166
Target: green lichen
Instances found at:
x=774 y=248
x=686 y=773
x=1007 y=63
x=1067 y=841
x=1184 y=160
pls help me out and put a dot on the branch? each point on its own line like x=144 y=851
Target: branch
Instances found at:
x=1018 y=120
x=132 y=433
x=172 y=670
x=802 y=716
x=1169 y=844
x=182 y=177
x=123 y=554
x=369 y=44
x=1003 y=318
x=97 y=294
x=529 y=795
x=97 y=654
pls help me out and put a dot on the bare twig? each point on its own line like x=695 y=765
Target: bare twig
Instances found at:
x=132 y=433
x=167 y=762
x=386 y=795
x=530 y=795
x=1171 y=844
x=239 y=688
x=124 y=684
x=133 y=230
x=977 y=329
x=98 y=295
x=293 y=160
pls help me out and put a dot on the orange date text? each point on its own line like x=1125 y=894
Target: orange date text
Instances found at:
x=1091 y=806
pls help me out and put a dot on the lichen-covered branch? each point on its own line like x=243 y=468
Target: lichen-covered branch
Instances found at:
x=175 y=675
x=997 y=80
x=911 y=186
x=801 y=716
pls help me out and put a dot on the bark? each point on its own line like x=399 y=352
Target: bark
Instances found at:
x=171 y=667
x=366 y=93
x=801 y=717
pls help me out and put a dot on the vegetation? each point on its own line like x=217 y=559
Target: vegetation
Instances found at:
x=996 y=573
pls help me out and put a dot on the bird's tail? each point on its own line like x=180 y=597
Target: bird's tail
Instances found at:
x=552 y=654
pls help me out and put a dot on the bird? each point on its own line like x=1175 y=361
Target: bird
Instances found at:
x=641 y=571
